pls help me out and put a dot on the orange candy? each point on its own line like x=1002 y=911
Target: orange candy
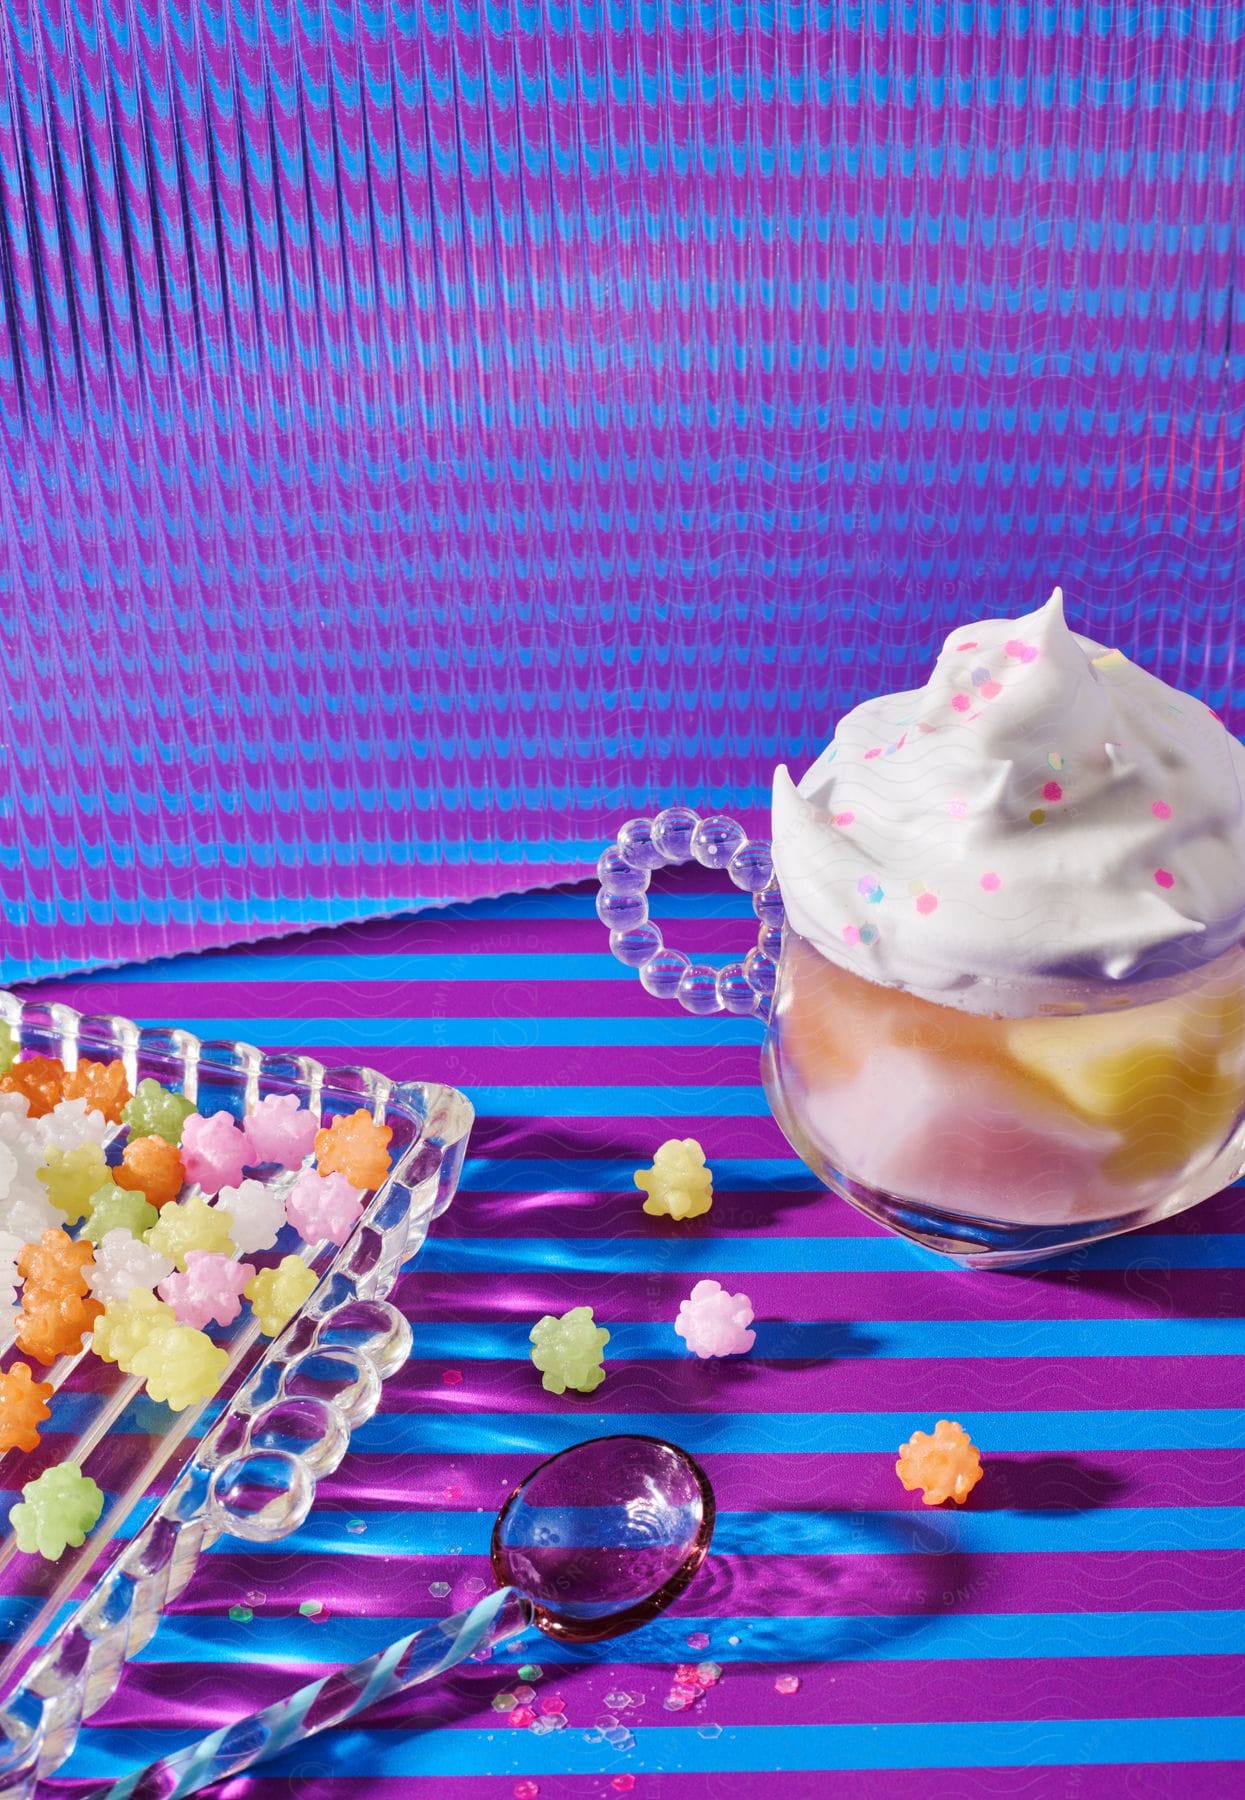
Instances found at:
x=54 y=1323
x=946 y=1466
x=151 y=1166
x=40 y=1078
x=23 y=1408
x=55 y=1264
x=102 y=1085
x=356 y=1147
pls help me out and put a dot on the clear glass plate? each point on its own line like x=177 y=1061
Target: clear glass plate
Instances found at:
x=244 y=1462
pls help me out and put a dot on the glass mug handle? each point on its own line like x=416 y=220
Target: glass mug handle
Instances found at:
x=679 y=835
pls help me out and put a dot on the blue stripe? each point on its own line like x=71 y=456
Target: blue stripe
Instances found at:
x=783 y=1255
x=199 y=1638
x=539 y=1174
x=901 y=1533
x=1021 y=1744
x=665 y=1028
x=867 y=1339
x=440 y=965
x=765 y=1434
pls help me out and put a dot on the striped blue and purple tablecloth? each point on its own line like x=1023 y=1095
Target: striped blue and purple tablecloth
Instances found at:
x=1077 y=1630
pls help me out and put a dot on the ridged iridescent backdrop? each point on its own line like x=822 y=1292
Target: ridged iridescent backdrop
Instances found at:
x=429 y=433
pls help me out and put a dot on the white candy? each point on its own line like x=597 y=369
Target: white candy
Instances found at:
x=27 y=1215
x=123 y=1263
x=70 y=1123
x=256 y=1213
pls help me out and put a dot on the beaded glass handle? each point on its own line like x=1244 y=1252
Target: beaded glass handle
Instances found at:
x=679 y=835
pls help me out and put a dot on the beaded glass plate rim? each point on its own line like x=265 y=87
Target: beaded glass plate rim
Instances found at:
x=40 y=1711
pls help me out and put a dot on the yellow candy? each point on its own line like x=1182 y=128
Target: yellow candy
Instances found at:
x=276 y=1294
x=180 y=1365
x=1168 y=1077
x=678 y=1184
x=126 y=1325
x=72 y=1177
x=191 y=1225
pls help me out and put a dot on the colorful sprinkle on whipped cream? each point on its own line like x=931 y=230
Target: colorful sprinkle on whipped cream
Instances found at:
x=1137 y=872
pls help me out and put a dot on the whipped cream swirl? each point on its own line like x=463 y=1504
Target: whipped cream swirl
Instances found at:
x=1041 y=815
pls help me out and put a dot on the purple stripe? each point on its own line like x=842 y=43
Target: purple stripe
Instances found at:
x=848 y=1693
x=300 y=998
x=936 y=1387
x=918 y=1294
x=635 y=1137
x=894 y=1582
x=848 y=1482
x=1117 y=1781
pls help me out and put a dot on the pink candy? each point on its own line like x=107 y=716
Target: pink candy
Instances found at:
x=714 y=1323
x=280 y=1131
x=323 y=1206
x=209 y=1291
x=214 y=1151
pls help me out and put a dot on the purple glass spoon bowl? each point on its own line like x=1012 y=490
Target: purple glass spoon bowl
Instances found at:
x=594 y=1542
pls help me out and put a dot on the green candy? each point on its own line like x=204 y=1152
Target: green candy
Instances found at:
x=118 y=1209
x=568 y=1351
x=157 y=1111
x=8 y=1047
x=58 y=1508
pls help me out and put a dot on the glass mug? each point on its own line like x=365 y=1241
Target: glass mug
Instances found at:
x=997 y=1140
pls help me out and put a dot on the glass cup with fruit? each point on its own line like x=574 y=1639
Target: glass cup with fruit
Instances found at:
x=1000 y=950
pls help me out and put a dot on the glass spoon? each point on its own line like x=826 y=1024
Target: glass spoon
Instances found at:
x=594 y=1542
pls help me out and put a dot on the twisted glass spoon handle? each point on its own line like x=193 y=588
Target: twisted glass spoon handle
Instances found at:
x=328 y=1701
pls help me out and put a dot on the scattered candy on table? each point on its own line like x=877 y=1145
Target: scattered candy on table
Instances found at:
x=276 y=1294
x=23 y=1408
x=280 y=1131
x=157 y=1111
x=127 y=1324
x=102 y=1085
x=214 y=1151
x=354 y=1146
x=123 y=1263
x=71 y=1177
x=151 y=1166
x=190 y=1225
x=714 y=1323
x=54 y=1322
x=116 y=1208
x=58 y=1508
x=568 y=1351
x=323 y=1206
x=210 y=1289
x=180 y=1365
x=945 y=1466
x=678 y=1184
x=39 y=1079
x=255 y=1212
